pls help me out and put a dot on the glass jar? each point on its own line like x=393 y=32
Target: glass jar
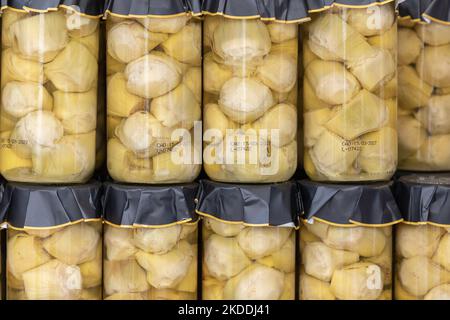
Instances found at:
x=424 y=96
x=250 y=99
x=345 y=263
x=247 y=263
x=59 y=263
x=148 y=263
x=48 y=115
x=350 y=94
x=153 y=98
x=422 y=262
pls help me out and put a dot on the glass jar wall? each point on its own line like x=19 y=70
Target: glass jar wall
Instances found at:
x=153 y=98
x=350 y=94
x=48 y=114
x=250 y=99
x=150 y=263
x=422 y=262
x=247 y=263
x=345 y=263
x=61 y=263
x=424 y=96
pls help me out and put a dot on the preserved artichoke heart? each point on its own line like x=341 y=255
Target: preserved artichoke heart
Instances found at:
x=73 y=156
x=337 y=37
x=281 y=32
x=283 y=259
x=441 y=256
x=314 y=122
x=330 y=155
x=123 y=165
x=128 y=41
x=379 y=156
x=165 y=25
x=237 y=41
x=142 y=133
x=21 y=98
x=125 y=276
x=371 y=21
x=75 y=69
x=359 y=281
x=119 y=244
x=412 y=91
x=24 y=253
x=310 y=100
x=434 y=34
x=16 y=68
x=121 y=103
x=321 y=261
x=92 y=43
x=177 y=108
x=224 y=257
x=321 y=52
x=152 y=75
x=411 y=136
x=409 y=46
x=441 y=292
x=283 y=118
x=434 y=153
x=332 y=83
x=158 y=240
x=435 y=115
x=125 y=296
x=245 y=99
x=9 y=159
x=224 y=229
x=367 y=242
x=189 y=282
x=80 y=26
x=178 y=164
x=433 y=66
x=76 y=111
x=37 y=129
x=215 y=119
x=364 y=113
x=91 y=270
x=74 y=244
x=375 y=71
x=53 y=281
x=214 y=74
x=387 y=40
x=8 y=19
x=278 y=71
x=417 y=240
x=185 y=45
x=260 y=242
x=418 y=275
x=167 y=270
x=28 y=33
x=193 y=80
x=313 y=289
x=257 y=282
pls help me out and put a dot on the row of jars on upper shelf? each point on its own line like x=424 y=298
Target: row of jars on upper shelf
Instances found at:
x=166 y=78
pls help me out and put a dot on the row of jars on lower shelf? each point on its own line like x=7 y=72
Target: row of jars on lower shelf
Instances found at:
x=238 y=262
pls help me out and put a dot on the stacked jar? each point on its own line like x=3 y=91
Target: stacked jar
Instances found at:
x=350 y=92
x=346 y=241
x=424 y=88
x=48 y=114
x=54 y=242
x=423 y=240
x=248 y=243
x=250 y=84
x=153 y=92
x=150 y=243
